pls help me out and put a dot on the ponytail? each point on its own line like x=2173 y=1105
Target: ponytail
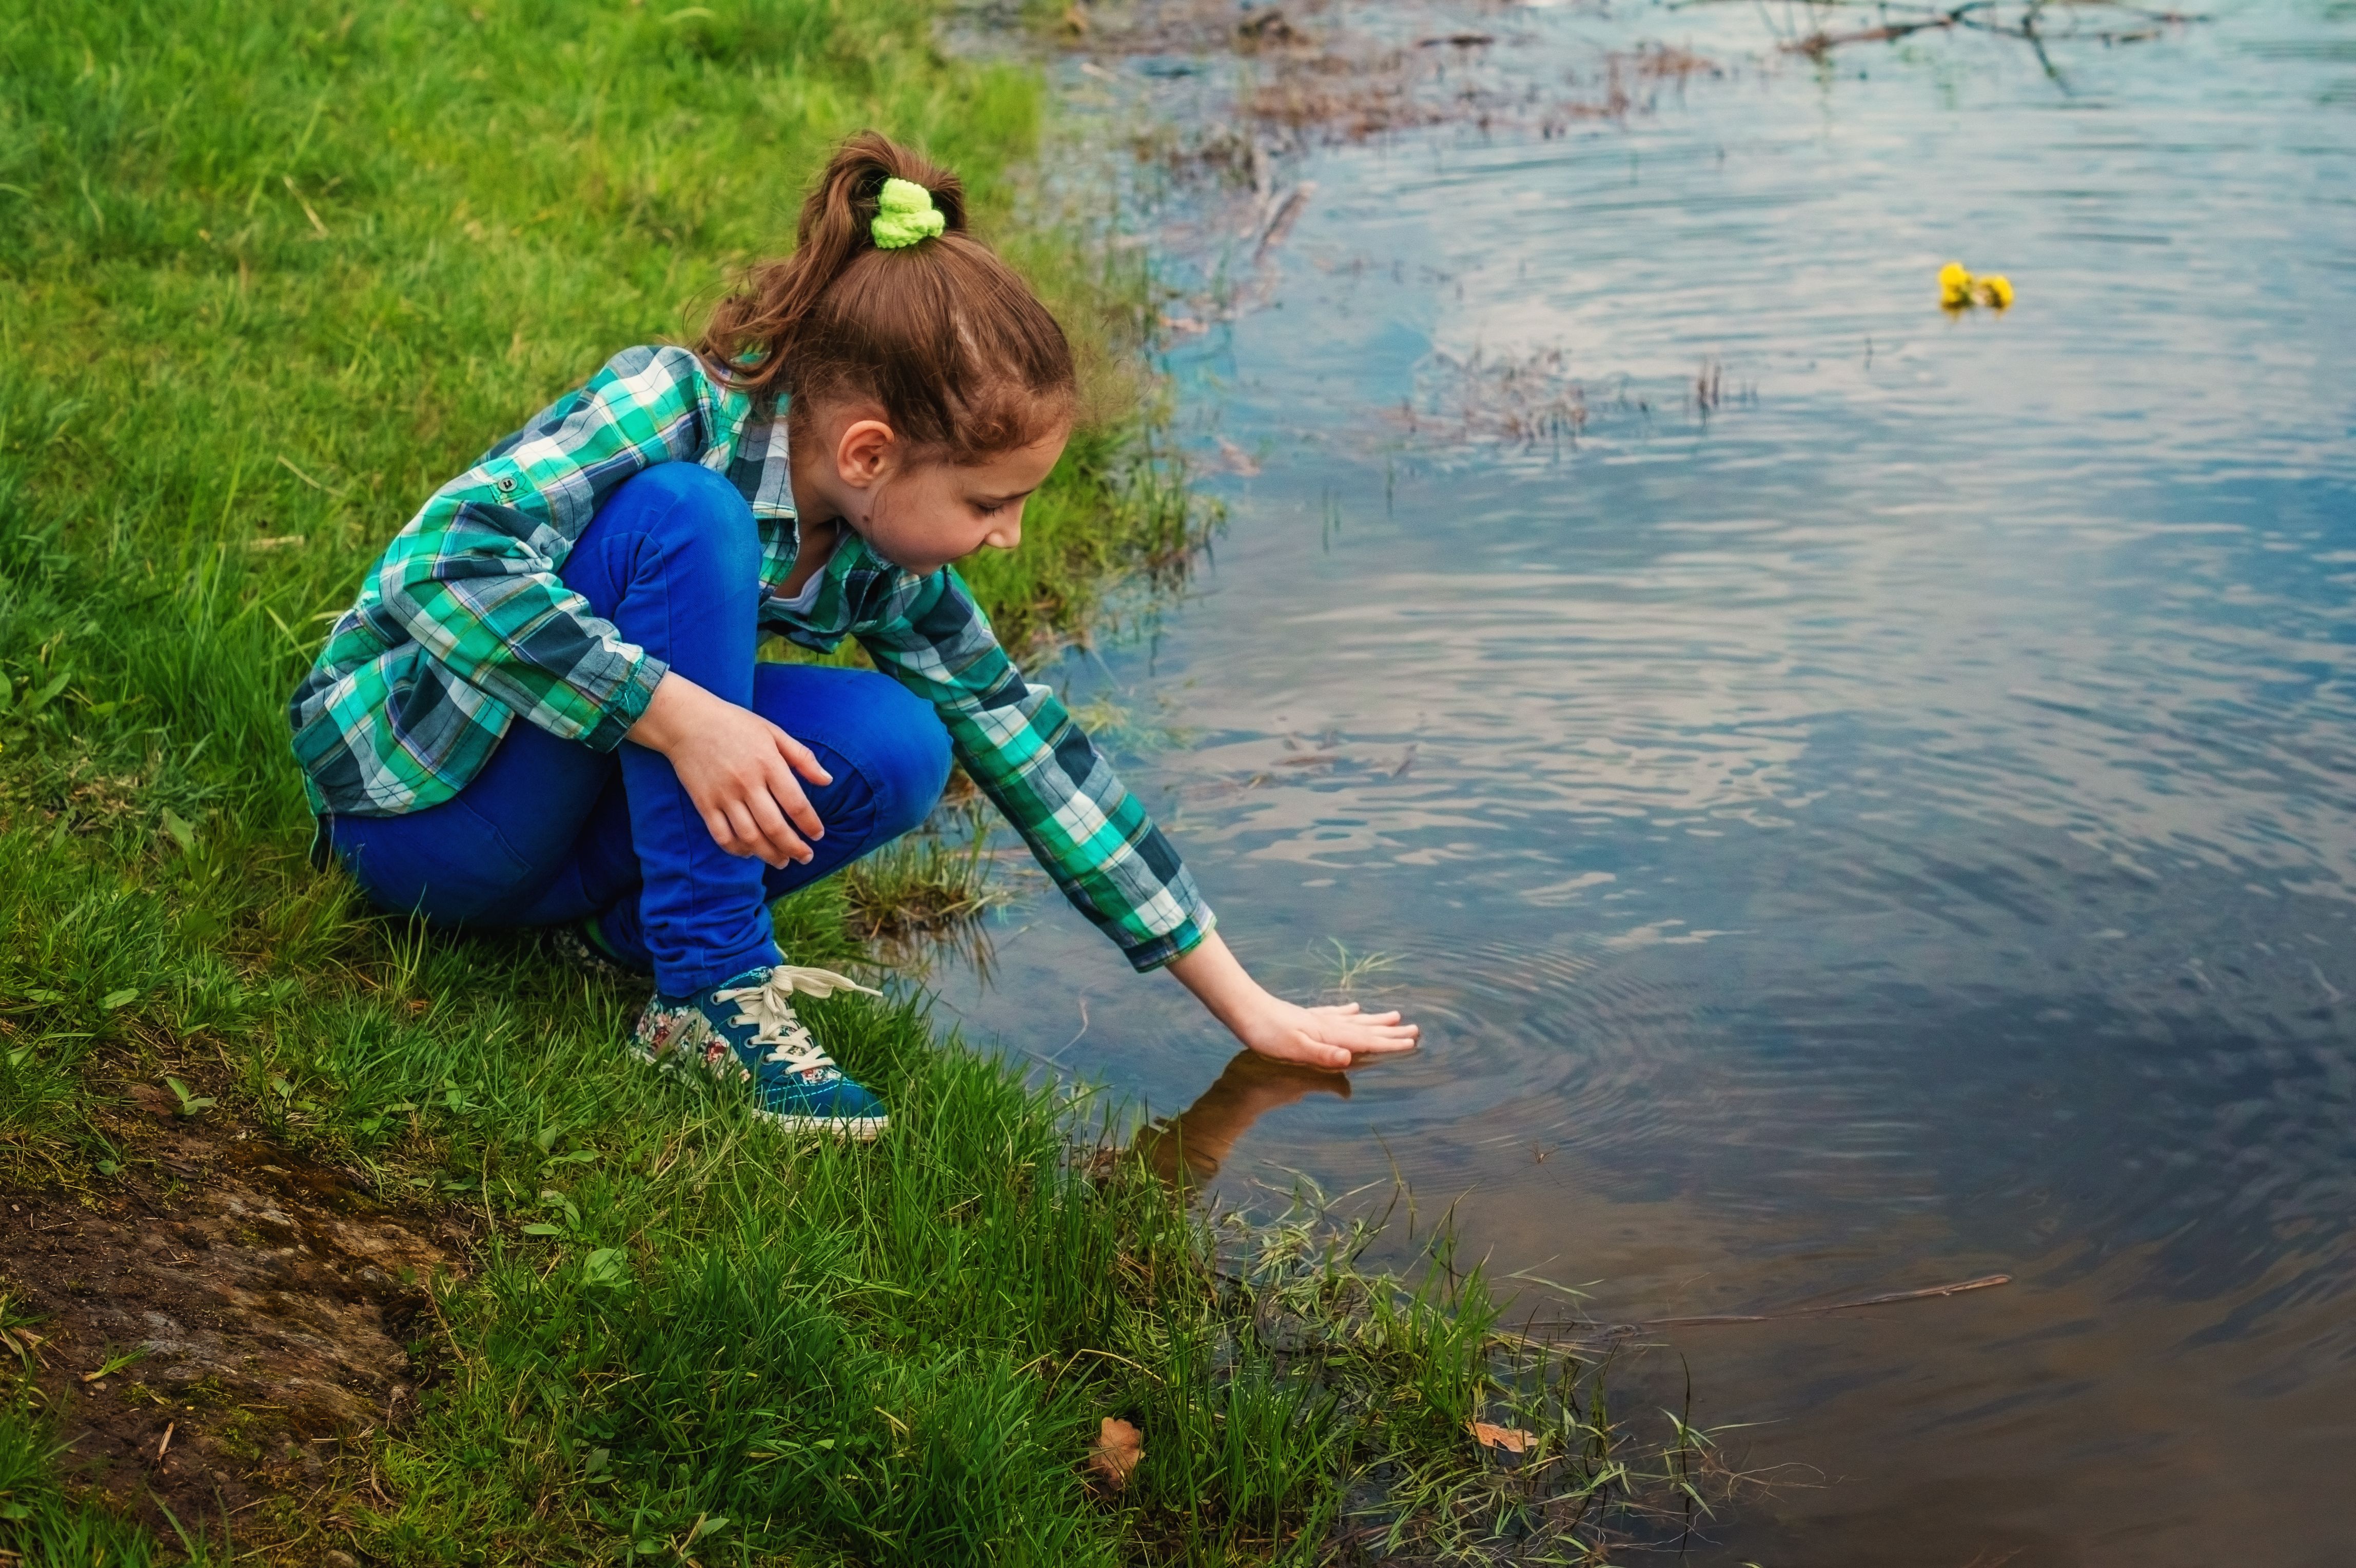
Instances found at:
x=939 y=330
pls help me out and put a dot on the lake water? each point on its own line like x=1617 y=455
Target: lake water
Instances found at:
x=1889 y=820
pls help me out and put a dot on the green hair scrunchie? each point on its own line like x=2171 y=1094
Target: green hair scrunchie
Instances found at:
x=905 y=214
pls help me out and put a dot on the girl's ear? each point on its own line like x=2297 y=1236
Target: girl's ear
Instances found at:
x=865 y=452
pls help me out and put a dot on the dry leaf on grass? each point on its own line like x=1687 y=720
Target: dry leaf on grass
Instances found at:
x=1118 y=1450
x=1504 y=1437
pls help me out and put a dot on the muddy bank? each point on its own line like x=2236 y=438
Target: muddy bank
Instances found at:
x=226 y=1324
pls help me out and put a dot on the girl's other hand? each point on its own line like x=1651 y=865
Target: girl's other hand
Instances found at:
x=738 y=769
x=1333 y=1038
x=1323 y=1036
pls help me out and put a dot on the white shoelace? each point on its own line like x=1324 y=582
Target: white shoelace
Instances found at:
x=769 y=1008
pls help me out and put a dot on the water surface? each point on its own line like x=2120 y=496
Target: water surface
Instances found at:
x=1895 y=826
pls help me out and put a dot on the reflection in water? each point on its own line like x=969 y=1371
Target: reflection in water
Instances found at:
x=1894 y=825
x=1188 y=1149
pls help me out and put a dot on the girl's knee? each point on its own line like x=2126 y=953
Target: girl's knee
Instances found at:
x=902 y=750
x=690 y=504
x=685 y=484
x=918 y=763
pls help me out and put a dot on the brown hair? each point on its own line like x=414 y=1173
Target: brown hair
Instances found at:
x=942 y=333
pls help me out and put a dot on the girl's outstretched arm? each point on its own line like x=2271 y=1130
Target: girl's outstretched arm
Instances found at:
x=1316 y=1036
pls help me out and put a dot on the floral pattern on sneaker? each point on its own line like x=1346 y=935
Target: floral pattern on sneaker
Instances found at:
x=745 y=1029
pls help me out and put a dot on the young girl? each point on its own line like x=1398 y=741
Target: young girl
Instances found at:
x=862 y=414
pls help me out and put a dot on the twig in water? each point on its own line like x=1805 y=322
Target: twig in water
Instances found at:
x=1715 y=1319
x=1928 y=1293
x=1287 y=212
x=1057 y=1058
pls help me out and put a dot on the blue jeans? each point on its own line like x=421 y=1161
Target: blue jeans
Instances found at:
x=550 y=831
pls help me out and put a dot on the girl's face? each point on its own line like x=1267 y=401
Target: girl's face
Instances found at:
x=930 y=514
x=920 y=515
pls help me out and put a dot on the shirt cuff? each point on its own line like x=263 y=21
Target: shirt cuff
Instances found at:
x=1153 y=953
x=618 y=716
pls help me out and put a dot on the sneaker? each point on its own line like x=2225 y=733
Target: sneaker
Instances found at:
x=746 y=1026
x=583 y=945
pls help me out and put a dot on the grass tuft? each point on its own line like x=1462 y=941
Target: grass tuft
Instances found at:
x=923 y=885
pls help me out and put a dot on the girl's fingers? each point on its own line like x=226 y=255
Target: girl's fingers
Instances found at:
x=741 y=837
x=777 y=838
x=804 y=760
x=788 y=795
x=1381 y=1040
x=1317 y=1053
x=1340 y=1049
x=716 y=823
x=1367 y=1023
x=1350 y=1010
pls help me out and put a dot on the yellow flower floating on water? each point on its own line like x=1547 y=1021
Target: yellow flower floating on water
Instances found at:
x=1955 y=286
x=1959 y=290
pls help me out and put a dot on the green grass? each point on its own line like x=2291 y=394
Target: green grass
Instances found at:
x=932 y=885
x=54 y=1527
x=270 y=271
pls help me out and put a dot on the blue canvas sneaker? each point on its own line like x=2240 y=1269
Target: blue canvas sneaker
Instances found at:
x=746 y=1027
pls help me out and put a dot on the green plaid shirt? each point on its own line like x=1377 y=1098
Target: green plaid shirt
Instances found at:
x=464 y=625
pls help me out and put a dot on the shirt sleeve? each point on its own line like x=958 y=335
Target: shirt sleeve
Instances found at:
x=1041 y=769
x=473 y=578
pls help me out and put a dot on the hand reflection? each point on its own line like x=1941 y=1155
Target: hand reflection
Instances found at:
x=1190 y=1148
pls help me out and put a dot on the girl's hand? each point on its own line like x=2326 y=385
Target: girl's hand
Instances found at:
x=1332 y=1037
x=737 y=768
x=1322 y=1036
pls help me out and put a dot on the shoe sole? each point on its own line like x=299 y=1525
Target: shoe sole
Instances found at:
x=858 y=1129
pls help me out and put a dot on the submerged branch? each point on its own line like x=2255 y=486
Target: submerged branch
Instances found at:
x=1720 y=1319
x=1976 y=15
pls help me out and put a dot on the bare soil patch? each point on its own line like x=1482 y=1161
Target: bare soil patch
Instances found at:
x=226 y=1325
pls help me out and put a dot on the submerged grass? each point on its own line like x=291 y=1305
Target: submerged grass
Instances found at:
x=924 y=885
x=274 y=269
